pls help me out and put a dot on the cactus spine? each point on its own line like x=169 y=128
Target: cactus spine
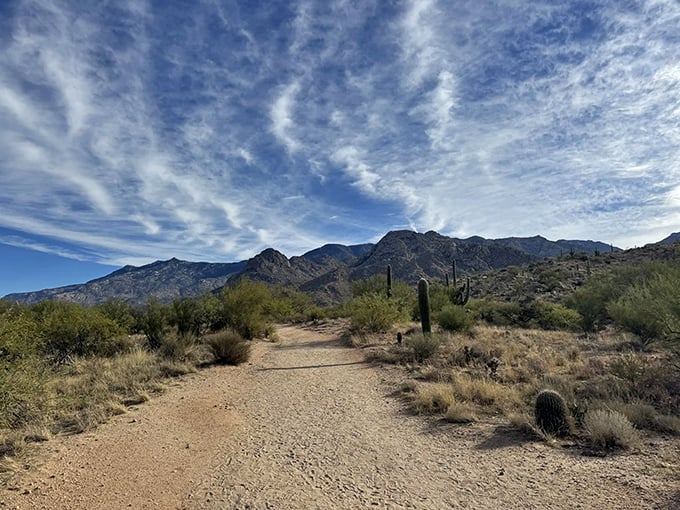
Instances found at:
x=551 y=413
x=389 y=281
x=424 y=305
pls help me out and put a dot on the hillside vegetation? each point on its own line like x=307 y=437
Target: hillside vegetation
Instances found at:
x=601 y=330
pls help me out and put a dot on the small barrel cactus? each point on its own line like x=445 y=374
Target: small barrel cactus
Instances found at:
x=551 y=413
x=424 y=305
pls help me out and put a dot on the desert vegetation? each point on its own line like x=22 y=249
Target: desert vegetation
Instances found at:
x=64 y=368
x=607 y=357
x=609 y=350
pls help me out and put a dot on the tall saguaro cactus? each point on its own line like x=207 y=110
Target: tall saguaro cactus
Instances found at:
x=424 y=305
x=458 y=296
x=389 y=281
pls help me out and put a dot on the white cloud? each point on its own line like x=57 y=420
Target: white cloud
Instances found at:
x=142 y=137
x=282 y=112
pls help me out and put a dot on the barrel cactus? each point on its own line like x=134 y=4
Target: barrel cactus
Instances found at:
x=424 y=305
x=551 y=413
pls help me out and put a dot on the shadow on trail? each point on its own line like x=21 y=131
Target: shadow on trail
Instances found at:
x=315 y=344
x=504 y=437
x=331 y=365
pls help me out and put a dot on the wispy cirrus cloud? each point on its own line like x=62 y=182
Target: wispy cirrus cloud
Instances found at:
x=141 y=130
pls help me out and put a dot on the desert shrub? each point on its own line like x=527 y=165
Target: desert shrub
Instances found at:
x=228 y=347
x=373 y=313
x=120 y=312
x=185 y=315
x=530 y=314
x=497 y=313
x=609 y=429
x=551 y=316
x=20 y=335
x=23 y=394
x=73 y=330
x=432 y=398
x=440 y=296
x=291 y=305
x=650 y=309
x=461 y=412
x=484 y=391
x=645 y=416
x=403 y=295
x=454 y=318
x=153 y=320
x=593 y=301
x=423 y=346
x=176 y=346
x=244 y=305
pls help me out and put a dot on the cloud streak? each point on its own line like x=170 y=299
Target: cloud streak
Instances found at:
x=141 y=131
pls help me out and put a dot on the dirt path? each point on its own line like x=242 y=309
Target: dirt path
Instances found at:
x=308 y=425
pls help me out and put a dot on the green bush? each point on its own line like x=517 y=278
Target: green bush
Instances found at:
x=373 y=313
x=185 y=315
x=454 y=318
x=244 y=307
x=23 y=393
x=496 y=313
x=423 y=346
x=551 y=316
x=153 y=321
x=228 y=347
x=530 y=314
x=594 y=301
x=73 y=330
x=120 y=312
x=651 y=309
x=20 y=335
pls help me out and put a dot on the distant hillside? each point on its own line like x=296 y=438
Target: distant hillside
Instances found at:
x=673 y=238
x=164 y=280
x=326 y=273
x=554 y=278
x=542 y=247
x=414 y=255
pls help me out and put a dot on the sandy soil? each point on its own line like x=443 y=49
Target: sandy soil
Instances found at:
x=308 y=424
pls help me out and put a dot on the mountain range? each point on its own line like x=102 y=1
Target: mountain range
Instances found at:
x=326 y=272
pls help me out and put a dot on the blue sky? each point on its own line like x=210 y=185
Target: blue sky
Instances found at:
x=210 y=130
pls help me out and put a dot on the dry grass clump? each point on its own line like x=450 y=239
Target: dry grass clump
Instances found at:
x=461 y=412
x=606 y=428
x=228 y=347
x=499 y=371
x=431 y=398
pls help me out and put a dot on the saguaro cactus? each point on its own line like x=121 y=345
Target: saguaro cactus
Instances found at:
x=456 y=295
x=424 y=305
x=389 y=281
x=462 y=295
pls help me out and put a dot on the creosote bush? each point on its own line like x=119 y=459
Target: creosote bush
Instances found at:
x=228 y=347
x=373 y=313
x=423 y=346
x=454 y=318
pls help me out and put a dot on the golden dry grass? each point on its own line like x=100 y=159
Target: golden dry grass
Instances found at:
x=494 y=372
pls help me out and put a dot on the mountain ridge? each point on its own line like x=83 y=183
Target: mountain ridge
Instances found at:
x=325 y=272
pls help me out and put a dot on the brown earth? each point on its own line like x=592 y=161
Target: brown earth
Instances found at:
x=308 y=424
